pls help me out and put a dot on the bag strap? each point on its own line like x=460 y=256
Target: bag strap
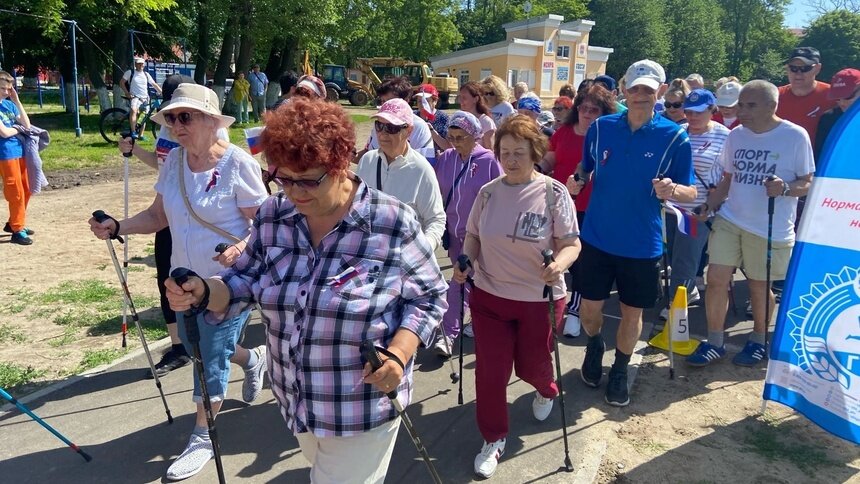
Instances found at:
x=379 y=173
x=199 y=220
x=456 y=181
x=487 y=190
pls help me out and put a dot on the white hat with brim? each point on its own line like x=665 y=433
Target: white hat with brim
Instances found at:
x=728 y=94
x=196 y=97
x=645 y=73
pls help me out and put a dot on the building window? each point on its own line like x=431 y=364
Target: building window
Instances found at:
x=485 y=73
x=464 y=77
x=563 y=51
x=546 y=80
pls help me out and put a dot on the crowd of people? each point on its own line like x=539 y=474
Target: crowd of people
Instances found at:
x=342 y=255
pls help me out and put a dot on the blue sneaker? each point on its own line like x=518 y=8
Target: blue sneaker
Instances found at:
x=750 y=355
x=705 y=354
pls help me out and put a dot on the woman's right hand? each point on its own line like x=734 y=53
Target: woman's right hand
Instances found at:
x=574 y=186
x=125 y=145
x=102 y=230
x=181 y=298
x=460 y=277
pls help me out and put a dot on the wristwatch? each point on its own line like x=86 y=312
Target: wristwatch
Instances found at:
x=785 y=189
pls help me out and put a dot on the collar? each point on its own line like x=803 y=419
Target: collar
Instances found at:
x=400 y=160
x=649 y=125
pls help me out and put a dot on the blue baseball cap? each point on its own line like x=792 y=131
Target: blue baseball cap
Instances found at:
x=607 y=81
x=699 y=100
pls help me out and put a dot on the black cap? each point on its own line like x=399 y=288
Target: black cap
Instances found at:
x=809 y=55
x=170 y=84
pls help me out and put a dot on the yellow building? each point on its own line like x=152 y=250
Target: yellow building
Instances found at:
x=544 y=52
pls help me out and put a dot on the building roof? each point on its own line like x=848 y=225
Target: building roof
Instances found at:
x=506 y=47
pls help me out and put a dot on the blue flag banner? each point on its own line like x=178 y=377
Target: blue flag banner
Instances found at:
x=814 y=362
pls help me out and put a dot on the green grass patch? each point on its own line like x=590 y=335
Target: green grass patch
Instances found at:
x=94 y=358
x=8 y=334
x=70 y=335
x=359 y=118
x=149 y=249
x=15 y=307
x=12 y=376
x=79 y=292
x=136 y=269
x=153 y=328
x=776 y=442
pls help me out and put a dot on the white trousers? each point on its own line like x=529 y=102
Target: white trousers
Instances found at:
x=361 y=458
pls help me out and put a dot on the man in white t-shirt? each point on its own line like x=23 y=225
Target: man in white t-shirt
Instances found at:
x=135 y=83
x=764 y=157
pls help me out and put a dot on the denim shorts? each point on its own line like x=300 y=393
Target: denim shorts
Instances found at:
x=217 y=345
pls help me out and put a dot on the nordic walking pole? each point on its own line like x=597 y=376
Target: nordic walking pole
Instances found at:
x=547 y=293
x=125 y=160
x=192 y=333
x=666 y=285
x=369 y=353
x=100 y=216
x=463 y=263
x=768 y=256
x=455 y=377
x=41 y=422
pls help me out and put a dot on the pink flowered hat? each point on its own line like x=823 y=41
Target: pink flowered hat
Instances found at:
x=395 y=111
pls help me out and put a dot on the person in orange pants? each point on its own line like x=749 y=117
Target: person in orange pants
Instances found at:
x=13 y=168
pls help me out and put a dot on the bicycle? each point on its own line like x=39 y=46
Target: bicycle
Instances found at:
x=114 y=121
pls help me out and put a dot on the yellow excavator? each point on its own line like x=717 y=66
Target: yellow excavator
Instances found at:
x=374 y=70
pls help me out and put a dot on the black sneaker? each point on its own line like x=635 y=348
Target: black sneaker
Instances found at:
x=8 y=229
x=169 y=362
x=21 y=238
x=592 y=365
x=616 y=389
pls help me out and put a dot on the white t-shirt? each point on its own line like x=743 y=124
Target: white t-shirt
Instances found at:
x=501 y=111
x=707 y=148
x=165 y=143
x=138 y=87
x=420 y=140
x=750 y=158
x=411 y=180
x=216 y=196
x=487 y=124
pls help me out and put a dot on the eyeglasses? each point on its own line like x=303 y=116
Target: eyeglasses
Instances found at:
x=389 y=128
x=673 y=105
x=589 y=110
x=285 y=181
x=852 y=96
x=456 y=139
x=804 y=69
x=184 y=118
x=489 y=93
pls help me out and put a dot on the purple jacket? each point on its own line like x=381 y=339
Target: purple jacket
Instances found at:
x=482 y=168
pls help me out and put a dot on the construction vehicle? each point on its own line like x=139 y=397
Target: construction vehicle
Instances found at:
x=372 y=71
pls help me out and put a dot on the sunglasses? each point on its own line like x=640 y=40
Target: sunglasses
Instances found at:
x=184 y=118
x=804 y=69
x=456 y=139
x=588 y=110
x=389 y=128
x=490 y=93
x=673 y=105
x=285 y=181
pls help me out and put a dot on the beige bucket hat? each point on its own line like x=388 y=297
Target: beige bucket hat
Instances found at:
x=196 y=97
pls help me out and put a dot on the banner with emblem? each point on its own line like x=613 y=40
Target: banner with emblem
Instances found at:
x=815 y=355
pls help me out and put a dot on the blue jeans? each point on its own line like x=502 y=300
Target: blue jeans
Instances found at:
x=686 y=253
x=242 y=107
x=217 y=345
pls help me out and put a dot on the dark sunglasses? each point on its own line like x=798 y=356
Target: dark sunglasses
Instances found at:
x=588 y=110
x=285 y=181
x=389 y=128
x=796 y=69
x=184 y=118
x=673 y=105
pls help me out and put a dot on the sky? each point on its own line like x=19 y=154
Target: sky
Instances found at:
x=798 y=14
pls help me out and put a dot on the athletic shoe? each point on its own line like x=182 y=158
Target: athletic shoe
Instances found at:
x=750 y=355
x=592 y=365
x=705 y=354
x=21 y=238
x=700 y=283
x=253 y=384
x=443 y=346
x=692 y=298
x=617 y=394
x=8 y=229
x=169 y=362
x=541 y=406
x=468 y=331
x=572 y=326
x=749 y=308
x=192 y=460
x=487 y=461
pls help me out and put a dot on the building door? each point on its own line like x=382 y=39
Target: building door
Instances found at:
x=546 y=80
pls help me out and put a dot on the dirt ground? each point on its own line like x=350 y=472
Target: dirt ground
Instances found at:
x=704 y=426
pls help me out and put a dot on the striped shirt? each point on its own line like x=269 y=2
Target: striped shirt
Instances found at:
x=706 y=153
x=373 y=274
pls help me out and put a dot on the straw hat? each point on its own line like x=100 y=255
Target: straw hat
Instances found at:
x=198 y=98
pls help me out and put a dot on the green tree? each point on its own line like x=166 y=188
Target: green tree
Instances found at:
x=837 y=36
x=636 y=29
x=698 y=43
x=755 y=32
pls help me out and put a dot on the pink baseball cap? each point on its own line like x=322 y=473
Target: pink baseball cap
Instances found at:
x=395 y=111
x=843 y=84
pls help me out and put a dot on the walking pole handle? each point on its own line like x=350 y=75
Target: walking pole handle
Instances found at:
x=127 y=134
x=101 y=216
x=181 y=275
x=547 y=260
x=369 y=353
x=463 y=262
x=770 y=200
x=220 y=248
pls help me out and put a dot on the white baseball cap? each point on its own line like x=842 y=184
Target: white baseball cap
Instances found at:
x=728 y=93
x=139 y=60
x=645 y=72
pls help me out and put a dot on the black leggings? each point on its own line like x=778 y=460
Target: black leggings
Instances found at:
x=163 y=249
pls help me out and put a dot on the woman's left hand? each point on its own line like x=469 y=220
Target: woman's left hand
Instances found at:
x=552 y=273
x=387 y=378
x=229 y=256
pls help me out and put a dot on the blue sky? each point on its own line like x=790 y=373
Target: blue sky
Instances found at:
x=798 y=14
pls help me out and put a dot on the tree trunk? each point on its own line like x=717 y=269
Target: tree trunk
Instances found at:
x=201 y=57
x=226 y=56
x=122 y=58
x=94 y=72
x=246 y=40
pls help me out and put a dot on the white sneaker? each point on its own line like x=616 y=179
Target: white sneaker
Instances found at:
x=572 y=326
x=442 y=346
x=468 y=331
x=694 y=296
x=192 y=460
x=664 y=314
x=700 y=283
x=488 y=459
x=253 y=383
x=541 y=406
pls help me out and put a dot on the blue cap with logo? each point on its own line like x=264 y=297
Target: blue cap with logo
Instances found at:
x=699 y=100
x=607 y=81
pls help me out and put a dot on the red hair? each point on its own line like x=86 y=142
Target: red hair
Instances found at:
x=308 y=133
x=565 y=102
